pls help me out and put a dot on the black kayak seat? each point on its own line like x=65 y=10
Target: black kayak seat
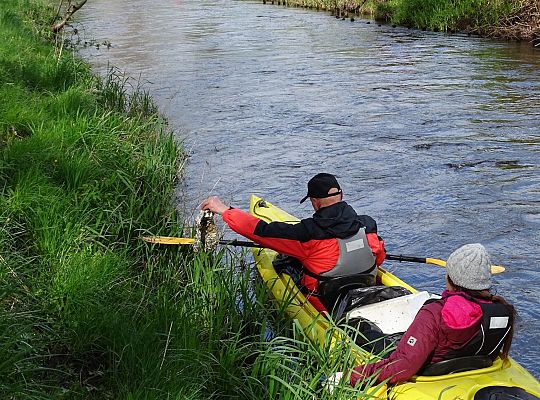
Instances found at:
x=455 y=365
x=503 y=393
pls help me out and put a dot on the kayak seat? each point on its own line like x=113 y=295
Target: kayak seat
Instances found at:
x=288 y=265
x=455 y=365
x=503 y=393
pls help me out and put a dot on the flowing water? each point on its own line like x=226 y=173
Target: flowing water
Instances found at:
x=437 y=137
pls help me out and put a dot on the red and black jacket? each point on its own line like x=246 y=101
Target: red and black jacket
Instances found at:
x=313 y=240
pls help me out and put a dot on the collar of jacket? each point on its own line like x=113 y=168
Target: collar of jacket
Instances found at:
x=338 y=220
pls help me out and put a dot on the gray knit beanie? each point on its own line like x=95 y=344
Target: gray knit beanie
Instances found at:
x=470 y=267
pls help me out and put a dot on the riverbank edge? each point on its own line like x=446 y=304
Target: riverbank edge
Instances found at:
x=86 y=166
x=89 y=311
x=507 y=20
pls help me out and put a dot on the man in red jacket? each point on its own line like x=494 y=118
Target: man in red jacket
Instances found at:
x=335 y=243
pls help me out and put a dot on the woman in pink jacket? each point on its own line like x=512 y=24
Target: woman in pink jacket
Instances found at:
x=468 y=320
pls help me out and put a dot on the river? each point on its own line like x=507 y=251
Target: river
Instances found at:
x=436 y=136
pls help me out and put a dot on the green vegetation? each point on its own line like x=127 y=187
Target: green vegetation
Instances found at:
x=473 y=16
x=88 y=311
x=511 y=19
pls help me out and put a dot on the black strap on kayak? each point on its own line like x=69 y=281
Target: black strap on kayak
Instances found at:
x=405 y=258
x=240 y=243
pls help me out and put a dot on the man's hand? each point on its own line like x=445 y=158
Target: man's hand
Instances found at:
x=215 y=205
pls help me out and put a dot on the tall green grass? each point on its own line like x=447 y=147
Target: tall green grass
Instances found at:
x=86 y=166
x=512 y=19
x=475 y=16
x=296 y=368
x=87 y=310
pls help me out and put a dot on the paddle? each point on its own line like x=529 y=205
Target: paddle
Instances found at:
x=495 y=269
x=188 y=241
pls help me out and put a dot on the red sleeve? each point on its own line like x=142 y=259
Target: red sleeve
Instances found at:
x=414 y=348
x=244 y=224
x=377 y=247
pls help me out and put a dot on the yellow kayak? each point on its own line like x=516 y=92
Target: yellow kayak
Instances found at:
x=503 y=380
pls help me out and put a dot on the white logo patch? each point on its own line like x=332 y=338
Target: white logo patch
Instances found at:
x=498 y=322
x=412 y=341
x=354 y=245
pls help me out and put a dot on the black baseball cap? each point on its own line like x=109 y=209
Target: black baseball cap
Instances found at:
x=320 y=184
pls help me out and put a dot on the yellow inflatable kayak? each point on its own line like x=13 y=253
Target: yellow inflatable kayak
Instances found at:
x=503 y=380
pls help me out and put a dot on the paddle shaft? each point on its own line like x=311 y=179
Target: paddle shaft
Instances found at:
x=406 y=258
x=434 y=261
x=189 y=241
x=495 y=269
x=242 y=243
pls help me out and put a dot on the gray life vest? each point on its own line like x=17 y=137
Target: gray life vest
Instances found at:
x=355 y=257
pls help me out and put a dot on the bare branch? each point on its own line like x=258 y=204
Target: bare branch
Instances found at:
x=72 y=9
x=60 y=4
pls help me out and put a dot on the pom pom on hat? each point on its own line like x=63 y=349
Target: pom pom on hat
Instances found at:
x=470 y=267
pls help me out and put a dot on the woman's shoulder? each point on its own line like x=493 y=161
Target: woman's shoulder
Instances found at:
x=431 y=310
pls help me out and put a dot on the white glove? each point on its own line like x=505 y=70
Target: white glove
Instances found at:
x=332 y=381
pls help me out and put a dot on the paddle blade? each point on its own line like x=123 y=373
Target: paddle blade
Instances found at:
x=168 y=240
x=436 y=261
x=495 y=269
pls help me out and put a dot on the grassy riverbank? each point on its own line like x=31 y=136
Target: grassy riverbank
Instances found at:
x=88 y=311
x=510 y=19
x=515 y=19
x=86 y=307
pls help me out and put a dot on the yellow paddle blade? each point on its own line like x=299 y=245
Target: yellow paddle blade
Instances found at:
x=436 y=261
x=495 y=269
x=168 y=240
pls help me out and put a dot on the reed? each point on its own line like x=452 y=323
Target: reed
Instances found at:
x=295 y=367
